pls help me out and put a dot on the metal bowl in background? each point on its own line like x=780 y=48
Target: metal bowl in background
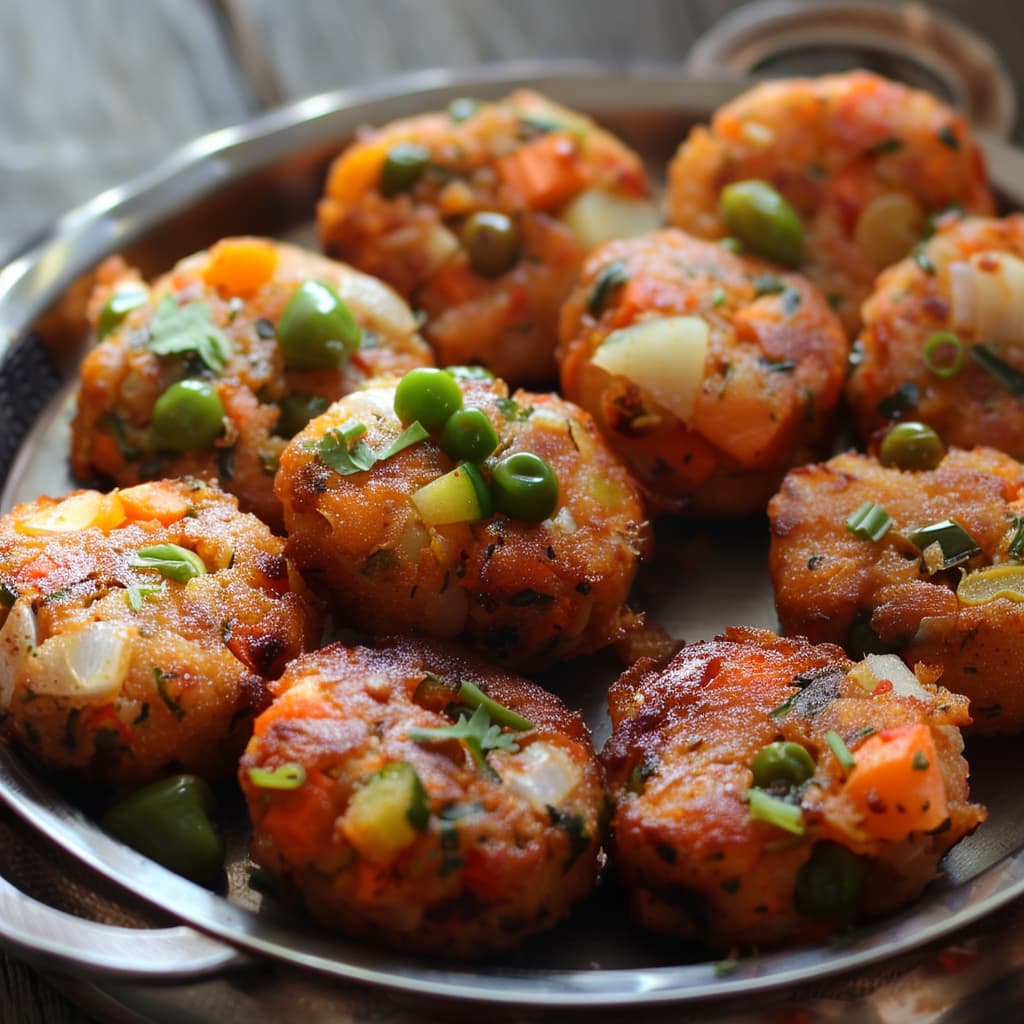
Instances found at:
x=264 y=178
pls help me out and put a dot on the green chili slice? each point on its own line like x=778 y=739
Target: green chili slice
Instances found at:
x=944 y=354
x=285 y=776
x=956 y=543
x=869 y=522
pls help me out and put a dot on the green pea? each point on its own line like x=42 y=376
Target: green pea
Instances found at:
x=763 y=221
x=828 y=884
x=492 y=242
x=170 y=822
x=427 y=395
x=403 y=165
x=911 y=445
x=317 y=330
x=188 y=416
x=782 y=762
x=463 y=108
x=118 y=306
x=525 y=487
x=297 y=410
x=469 y=435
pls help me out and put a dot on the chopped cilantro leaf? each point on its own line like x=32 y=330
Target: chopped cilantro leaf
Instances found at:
x=175 y=330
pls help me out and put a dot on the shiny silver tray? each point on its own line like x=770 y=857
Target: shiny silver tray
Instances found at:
x=264 y=178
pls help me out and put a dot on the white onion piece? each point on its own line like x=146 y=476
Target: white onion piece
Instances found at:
x=595 y=217
x=375 y=301
x=904 y=682
x=89 y=663
x=989 y=302
x=18 y=639
x=541 y=774
x=962 y=304
x=664 y=357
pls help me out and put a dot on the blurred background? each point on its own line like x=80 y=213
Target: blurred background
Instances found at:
x=96 y=91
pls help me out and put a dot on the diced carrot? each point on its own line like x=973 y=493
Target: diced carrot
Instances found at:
x=896 y=783
x=544 y=173
x=76 y=512
x=241 y=266
x=158 y=500
x=357 y=170
x=457 y=283
x=38 y=569
x=301 y=820
x=291 y=706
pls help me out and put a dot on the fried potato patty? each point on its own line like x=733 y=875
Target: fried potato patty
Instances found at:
x=911 y=597
x=941 y=335
x=526 y=593
x=407 y=829
x=480 y=217
x=213 y=320
x=139 y=629
x=763 y=795
x=732 y=373
x=863 y=161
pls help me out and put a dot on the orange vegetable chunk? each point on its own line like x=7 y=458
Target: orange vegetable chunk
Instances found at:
x=157 y=500
x=241 y=266
x=897 y=783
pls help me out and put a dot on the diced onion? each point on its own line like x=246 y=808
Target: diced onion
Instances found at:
x=541 y=774
x=18 y=639
x=91 y=662
x=892 y=667
x=373 y=300
x=987 y=293
x=888 y=227
x=595 y=217
x=664 y=357
x=1006 y=581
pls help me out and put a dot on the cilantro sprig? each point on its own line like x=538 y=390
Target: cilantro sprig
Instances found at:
x=343 y=449
x=175 y=330
x=479 y=734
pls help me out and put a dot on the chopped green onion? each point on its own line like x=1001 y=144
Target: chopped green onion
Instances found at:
x=770 y=809
x=956 y=543
x=611 y=277
x=922 y=259
x=1016 y=548
x=841 y=750
x=471 y=695
x=286 y=776
x=869 y=522
x=1009 y=376
x=900 y=402
x=170 y=560
x=944 y=354
x=767 y=284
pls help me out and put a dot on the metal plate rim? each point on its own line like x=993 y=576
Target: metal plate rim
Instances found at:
x=92 y=230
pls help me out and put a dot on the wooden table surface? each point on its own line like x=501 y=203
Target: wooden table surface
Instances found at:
x=96 y=90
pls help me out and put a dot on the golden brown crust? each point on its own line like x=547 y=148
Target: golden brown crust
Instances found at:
x=508 y=322
x=918 y=298
x=678 y=768
x=196 y=655
x=527 y=594
x=832 y=145
x=121 y=379
x=500 y=857
x=773 y=371
x=827 y=580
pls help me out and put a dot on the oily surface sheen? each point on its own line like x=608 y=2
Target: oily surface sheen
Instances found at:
x=772 y=374
x=678 y=768
x=826 y=579
x=525 y=593
x=509 y=321
x=504 y=852
x=832 y=146
x=955 y=289
x=192 y=658
x=121 y=379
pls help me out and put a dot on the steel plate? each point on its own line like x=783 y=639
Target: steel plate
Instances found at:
x=265 y=178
